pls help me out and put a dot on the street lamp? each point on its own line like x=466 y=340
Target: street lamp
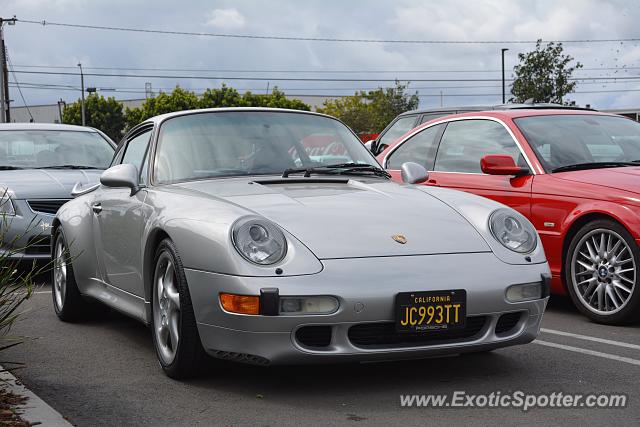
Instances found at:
x=504 y=98
x=82 y=92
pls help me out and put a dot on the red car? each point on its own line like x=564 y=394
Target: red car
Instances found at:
x=574 y=173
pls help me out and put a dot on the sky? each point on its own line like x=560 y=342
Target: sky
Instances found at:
x=49 y=48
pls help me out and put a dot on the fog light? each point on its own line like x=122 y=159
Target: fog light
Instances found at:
x=241 y=304
x=308 y=305
x=524 y=292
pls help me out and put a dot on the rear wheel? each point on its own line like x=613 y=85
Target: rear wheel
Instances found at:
x=67 y=301
x=601 y=273
x=175 y=333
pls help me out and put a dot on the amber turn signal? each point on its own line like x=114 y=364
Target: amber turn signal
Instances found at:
x=241 y=304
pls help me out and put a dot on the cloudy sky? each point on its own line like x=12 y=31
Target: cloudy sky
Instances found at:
x=37 y=48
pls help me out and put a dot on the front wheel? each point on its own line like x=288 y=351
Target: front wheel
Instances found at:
x=67 y=301
x=175 y=333
x=601 y=273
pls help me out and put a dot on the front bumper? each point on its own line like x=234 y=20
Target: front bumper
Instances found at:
x=366 y=289
x=26 y=236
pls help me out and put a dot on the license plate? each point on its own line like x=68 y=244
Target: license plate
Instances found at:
x=431 y=310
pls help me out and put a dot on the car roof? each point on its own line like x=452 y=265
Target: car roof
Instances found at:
x=163 y=117
x=45 y=126
x=525 y=112
x=501 y=107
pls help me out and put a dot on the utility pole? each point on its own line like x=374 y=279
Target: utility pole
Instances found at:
x=5 y=116
x=82 y=89
x=504 y=93
x=61 y=106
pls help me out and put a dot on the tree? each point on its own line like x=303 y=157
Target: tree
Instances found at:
x=100 y=112
x=180 y=99
x=371 y=112
x=543 y=75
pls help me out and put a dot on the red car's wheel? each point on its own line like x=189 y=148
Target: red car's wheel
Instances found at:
x=601 y=273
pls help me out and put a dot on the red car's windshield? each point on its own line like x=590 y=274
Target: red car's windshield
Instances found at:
x=565 y=140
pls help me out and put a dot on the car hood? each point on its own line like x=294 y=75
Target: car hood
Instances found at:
x=623 y=178
x=45 y=183
x=353 y=218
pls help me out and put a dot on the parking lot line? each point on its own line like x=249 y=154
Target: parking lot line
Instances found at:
x=590 y=338
x=589 y=352
x=42 y=292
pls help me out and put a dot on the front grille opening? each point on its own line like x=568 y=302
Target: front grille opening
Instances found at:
x=314 y=336
x=38 y=245
x=384 y=335
x=507 y=322
x=48 y=206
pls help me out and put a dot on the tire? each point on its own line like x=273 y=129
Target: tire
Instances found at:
x=172 y=316
x=601 y=271
x=67 y=301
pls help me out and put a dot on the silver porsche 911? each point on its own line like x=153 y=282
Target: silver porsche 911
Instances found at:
x=273 y=236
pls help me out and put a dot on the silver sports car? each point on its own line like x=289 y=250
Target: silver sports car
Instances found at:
x=39 y=166
x=273 y=236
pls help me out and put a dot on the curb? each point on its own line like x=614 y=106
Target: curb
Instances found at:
x=35 y=410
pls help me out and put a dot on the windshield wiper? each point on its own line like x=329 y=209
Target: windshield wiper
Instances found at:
x=67 y=167
x=592 y=165
x=339 y=169
x=9 y=168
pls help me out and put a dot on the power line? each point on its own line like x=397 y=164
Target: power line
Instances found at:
x=311 y=39
x=335 y=95
x=359 y=71
x=306 y=79
x=18 y=85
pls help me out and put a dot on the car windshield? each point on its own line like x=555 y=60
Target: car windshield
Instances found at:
x=30 y=149
x=561 y=141
x=236 y=143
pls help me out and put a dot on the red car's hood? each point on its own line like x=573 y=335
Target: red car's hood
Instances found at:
x=623 y=178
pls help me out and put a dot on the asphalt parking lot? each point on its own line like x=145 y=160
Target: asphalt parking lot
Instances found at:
x=104 y=372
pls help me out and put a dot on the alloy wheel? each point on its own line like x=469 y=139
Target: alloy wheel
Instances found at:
x=166 y=309
x=60 y=273
x=603 y=271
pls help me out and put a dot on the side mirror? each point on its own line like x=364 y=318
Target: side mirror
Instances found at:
x=501 y=164
x=124 y=175
x=413 y=173
x=369 y=145
x=78 y=189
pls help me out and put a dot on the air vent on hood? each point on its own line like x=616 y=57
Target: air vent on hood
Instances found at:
x=48 y=206
x=301 y=181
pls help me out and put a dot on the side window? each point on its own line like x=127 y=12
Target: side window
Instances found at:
x=465 y=142
x=136 y=149
x=399 y=128
x=420 y=149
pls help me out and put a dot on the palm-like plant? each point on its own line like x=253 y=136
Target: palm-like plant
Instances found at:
x=16 y=279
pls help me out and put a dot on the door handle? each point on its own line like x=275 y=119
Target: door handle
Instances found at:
x=432 y=182
x=97 y=208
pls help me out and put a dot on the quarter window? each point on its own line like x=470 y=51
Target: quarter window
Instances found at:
x=427 y=117
x=419 y=149
x=136 y=149
x=465 y=142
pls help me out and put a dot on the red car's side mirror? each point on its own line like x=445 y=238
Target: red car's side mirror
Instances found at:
x=501 y=164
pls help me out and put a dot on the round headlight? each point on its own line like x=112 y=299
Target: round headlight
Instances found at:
x=513 y=231
x=259 y=241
